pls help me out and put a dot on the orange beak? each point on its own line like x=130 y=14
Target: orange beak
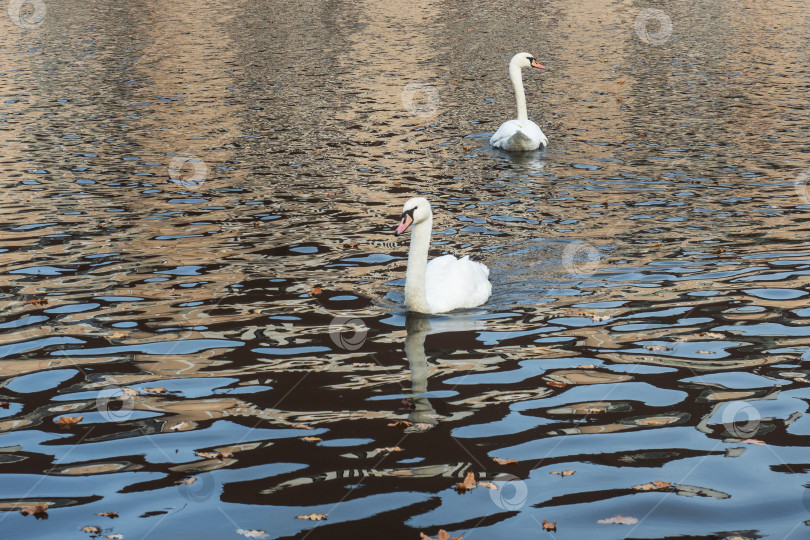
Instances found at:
x=537 y=65
x=404 y=224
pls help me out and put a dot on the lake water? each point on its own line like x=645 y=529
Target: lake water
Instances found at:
x=197 y=258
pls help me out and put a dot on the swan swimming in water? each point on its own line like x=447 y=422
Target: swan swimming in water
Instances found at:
x=522 y=134
x=445 y=283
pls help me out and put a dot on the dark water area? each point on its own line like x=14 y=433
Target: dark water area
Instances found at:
x=197 y=203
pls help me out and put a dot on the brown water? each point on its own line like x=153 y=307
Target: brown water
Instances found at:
x=178 y=179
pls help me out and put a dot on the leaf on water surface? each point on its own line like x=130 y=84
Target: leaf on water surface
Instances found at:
x=443 y=535
x=302 y=426
x=388 y=449
x=129 y=392
x=39 y=510
x=92 y=529
x=652 y=486
x=563 y=473
x=752 y=441
x=705 y=352
x=67 y=421
x=311 y=439
x=351 y=245
x=657 y=420
x=620 y=520
x=489 y=485
x=156 y=390
x=118 y=334
x=252 y=533
x=600 y=318
x=712 y=335
x=549 y=525
x=182 y=426
x=110 y=515
x=658 y=348
x=556 y=384
x=4 y=404
x=313 y=517
x=586 y=366
x=402 y=424
x=115 y=536
x=315 y=291
x=187 y=481
x=37 y=301
x=500 y=461
x=467 y=484
x=214 y=455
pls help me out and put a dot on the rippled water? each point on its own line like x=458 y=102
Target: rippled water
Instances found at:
x=197 y=257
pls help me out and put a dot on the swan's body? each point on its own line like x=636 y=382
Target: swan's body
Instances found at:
x=445 y=283
x=522 y=134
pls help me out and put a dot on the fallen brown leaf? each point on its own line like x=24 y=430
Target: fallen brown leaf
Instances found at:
x=652 y=486
x=110 y=515
x=500 y=461
x=315 y=291
x=402 y=424
x=311 y=439
x=313 y=517
x=37 y=301
x=705 y=352
x=187 y=481
x=467 y=484
x=752 y=441
x=556 y=384
x=39 y=510
x=713 y=335
x=4 y=405
x=156 y=390
x=563 y=473
x=489 y=485
x=549 y=526
x=658 y=348
x=92 y=529
x=302 y=426
x=67 y=421
x=129 y=392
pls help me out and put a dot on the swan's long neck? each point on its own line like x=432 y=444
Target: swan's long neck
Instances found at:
x=517 y=83
x=415 y=295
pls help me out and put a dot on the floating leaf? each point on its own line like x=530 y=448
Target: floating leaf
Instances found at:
x=563 y=473
x=652 y=486
x=556 y=384
x=115 y=536
x=402 y=424
x=311 y=439
x=315 y=291
x=182 y=426
x=67 y=421
x=752 y=441
x=599 y=318
x=467 y=484
x=156 y=390
x=586 y=366
x=92 y=529
x=4 y=405
x=658 y=348
x=110 y=515
x=37 y=301
x=129 y=392
x=187 y=481
x=302 y=426
x=500 y=461
x=313 y=517
x=620 y=520
x=712 y=335
x=549 y=526
x=39 y=510
x=705 y=352
x=118 y=334
x=388 y=449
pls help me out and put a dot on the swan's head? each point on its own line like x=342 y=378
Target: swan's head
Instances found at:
x=524 y=60
x=414 y=212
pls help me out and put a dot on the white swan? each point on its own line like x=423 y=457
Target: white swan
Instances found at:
x=522 y=134
x=446 y=283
